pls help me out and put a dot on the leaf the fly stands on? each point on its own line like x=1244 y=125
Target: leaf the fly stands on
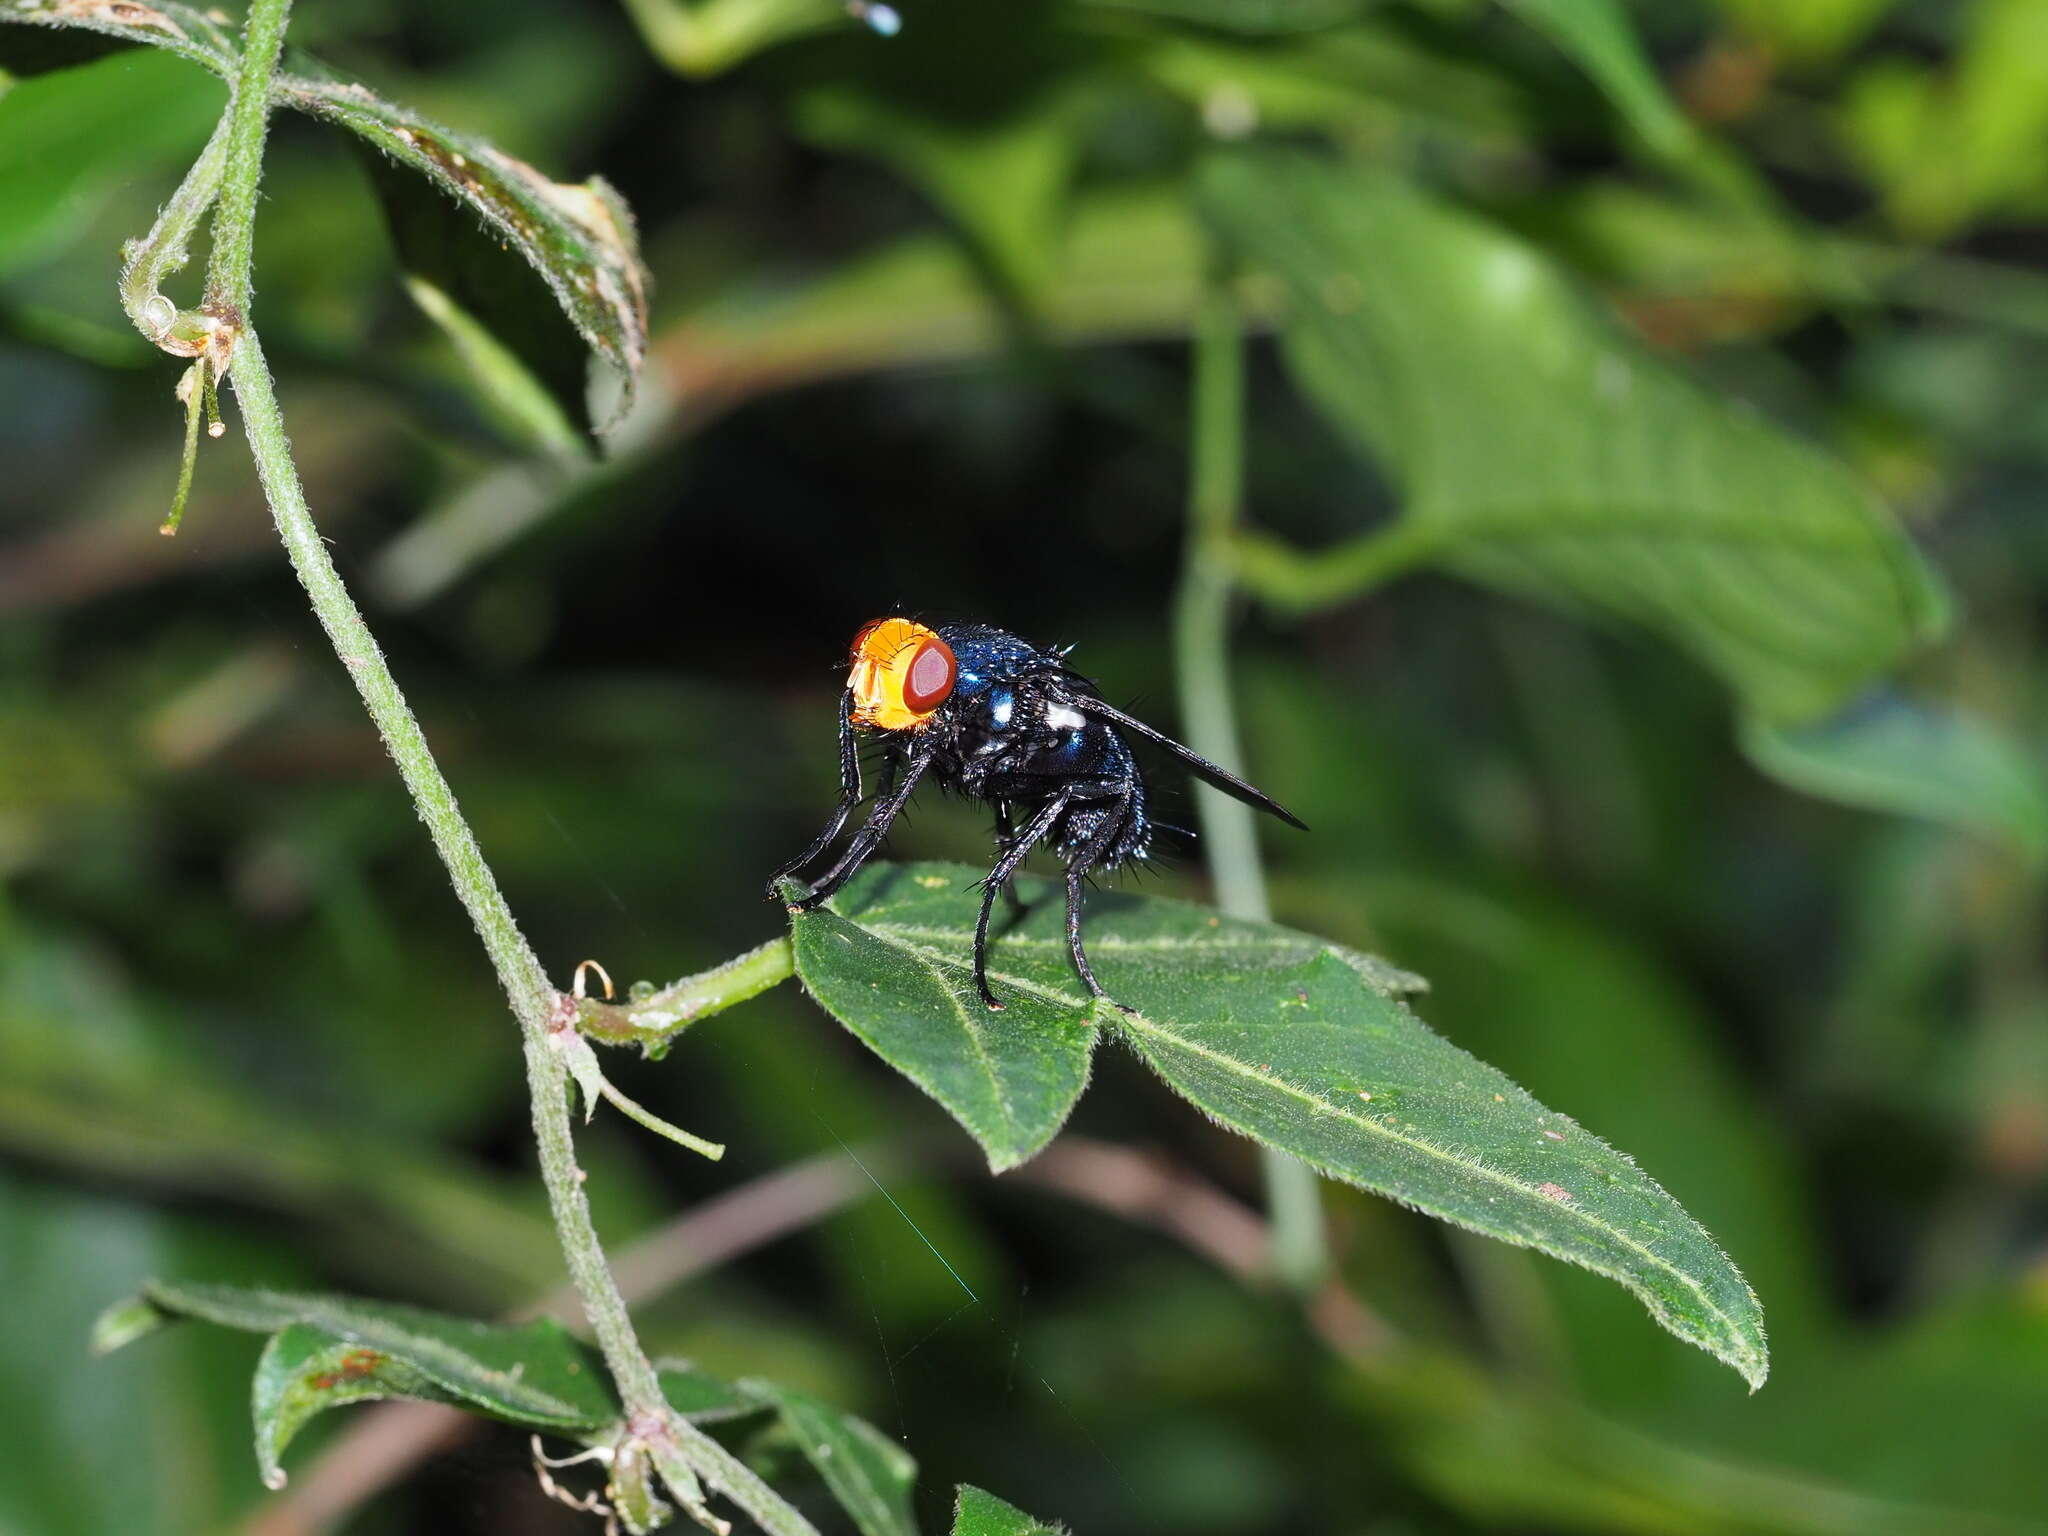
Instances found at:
x=869 y=1474
x=889 y=958
x=531 y=1373
x=979 y=1513
x=304 y=1371
x=1539 y=449
x=1315 y=1060
x=1279 y=1035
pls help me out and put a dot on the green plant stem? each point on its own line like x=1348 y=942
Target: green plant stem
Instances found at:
x=229 y=277
x=1305 y=581
x=526 y=985
x=1201 y=629
x=532 y=996
x=168 y=245
x=660 y=1017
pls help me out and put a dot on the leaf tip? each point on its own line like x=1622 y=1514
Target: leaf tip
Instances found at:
x=123 y=1323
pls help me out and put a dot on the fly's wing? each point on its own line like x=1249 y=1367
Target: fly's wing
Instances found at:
x=1088 y=703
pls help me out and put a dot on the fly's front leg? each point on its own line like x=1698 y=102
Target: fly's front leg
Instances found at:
x=1014 y=850
x=872 y=831
x=849 y=797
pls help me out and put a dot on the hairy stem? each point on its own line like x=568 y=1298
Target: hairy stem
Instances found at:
x=1201 y=645
x=661 y=1016
x=534 y=999
x=229 y=279
x=168 y=245
x=519 y=971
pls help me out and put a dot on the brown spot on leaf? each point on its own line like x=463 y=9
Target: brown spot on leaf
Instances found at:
x=358 y=1363
x=1554 y=1191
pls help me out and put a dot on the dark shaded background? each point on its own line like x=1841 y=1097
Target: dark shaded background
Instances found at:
x=245 y=1033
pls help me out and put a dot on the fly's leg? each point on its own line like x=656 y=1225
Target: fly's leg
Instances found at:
x=872 y=831
x=1077 y=870
x=1006 y=835
x=849 y=797
x=1014 y=850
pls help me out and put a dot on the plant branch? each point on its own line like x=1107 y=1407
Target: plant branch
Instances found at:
x=229 y=277
x=1299 y=581
x=540 y=1009
x=147 y=262
x=656 y=1019
x=1201 y=646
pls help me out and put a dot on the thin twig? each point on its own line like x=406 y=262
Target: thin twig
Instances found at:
x=387 y=1442
x=533 y=998
x=1201 y=647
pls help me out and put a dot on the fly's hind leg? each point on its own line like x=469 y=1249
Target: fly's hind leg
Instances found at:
x=1078 y=866
x=1006 y=834
x=1014 y=850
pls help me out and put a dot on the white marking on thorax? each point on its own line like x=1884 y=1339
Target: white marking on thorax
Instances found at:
x=1062 y=718
x=1002 y=709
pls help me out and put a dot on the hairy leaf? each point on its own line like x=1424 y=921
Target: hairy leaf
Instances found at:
x=1539 y=450
x=530 y=1373
x=305 y=1371
x=889 y=959
x=1281 y=1036
x=579 y=238
x=1888 y=753
x=71 y=31
x=977 y=1513
x=869 y=1474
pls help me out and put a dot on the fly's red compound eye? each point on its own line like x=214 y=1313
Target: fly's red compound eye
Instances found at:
x=929 y=678
x=901 y=673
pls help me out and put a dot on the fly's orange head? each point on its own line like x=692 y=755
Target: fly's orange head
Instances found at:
x=901 y=673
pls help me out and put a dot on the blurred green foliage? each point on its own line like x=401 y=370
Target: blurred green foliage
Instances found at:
x=918 y=315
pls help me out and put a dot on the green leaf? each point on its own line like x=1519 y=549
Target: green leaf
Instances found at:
x=59 y=35
x=1889 y=753
x=703 y=1398
x=1599 y=35
x=706 y=37
x=71 y=139
x=1313 y=1059
x=304 y=1371
x=1539 y=450
x=1253 y=17
x=578 y=237
x=531 y=1373
x=869 y=1474
x=1281 y=1036
x=983 y=1514
x=993 y=146
x=1812 y=30
x=889 y=959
